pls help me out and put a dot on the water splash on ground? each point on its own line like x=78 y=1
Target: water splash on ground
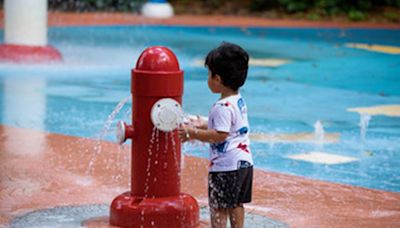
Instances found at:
x=75 y=216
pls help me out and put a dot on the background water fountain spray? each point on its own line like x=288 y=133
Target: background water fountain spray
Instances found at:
x=364 y=122
x=319 y=134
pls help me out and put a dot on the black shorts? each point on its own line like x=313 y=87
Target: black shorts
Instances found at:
x=230 y=189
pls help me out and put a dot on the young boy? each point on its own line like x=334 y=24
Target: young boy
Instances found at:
x=231 y=165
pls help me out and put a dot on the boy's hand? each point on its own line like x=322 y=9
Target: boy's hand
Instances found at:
x=196 y=121
x=183 y=133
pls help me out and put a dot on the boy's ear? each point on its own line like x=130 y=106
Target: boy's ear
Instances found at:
x=218 y=78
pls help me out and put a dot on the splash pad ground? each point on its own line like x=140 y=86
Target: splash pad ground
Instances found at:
x=46 y=171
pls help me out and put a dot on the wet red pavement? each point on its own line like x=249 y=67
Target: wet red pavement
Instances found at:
x=42 y=170
x=76 y=19
x=68 y=19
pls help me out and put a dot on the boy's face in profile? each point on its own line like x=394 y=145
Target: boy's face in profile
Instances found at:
x=214 y=83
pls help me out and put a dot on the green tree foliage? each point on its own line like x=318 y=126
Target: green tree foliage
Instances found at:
x=312 y=9
x=336 y=6
x=96 y=5
x=354 y=9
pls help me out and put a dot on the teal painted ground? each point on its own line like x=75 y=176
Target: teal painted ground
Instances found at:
x=322 y=80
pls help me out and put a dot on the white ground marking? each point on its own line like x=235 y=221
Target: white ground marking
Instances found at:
x=322 y=158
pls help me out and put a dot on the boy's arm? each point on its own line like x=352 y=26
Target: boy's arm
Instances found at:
x=203 y=126
x=204 y=135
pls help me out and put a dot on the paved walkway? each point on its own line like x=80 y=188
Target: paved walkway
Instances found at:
x=191 y=20
x=75 y=19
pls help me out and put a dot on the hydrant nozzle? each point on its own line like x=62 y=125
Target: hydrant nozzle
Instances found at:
x=124 y=132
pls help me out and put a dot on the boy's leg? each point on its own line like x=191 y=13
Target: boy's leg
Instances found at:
x=244 y=183
x=236 y=216
x=218 y=217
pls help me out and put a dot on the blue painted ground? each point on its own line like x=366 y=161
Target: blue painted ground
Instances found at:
x=323 y=79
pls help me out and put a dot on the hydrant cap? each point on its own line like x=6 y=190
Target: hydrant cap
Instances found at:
x=157 y=58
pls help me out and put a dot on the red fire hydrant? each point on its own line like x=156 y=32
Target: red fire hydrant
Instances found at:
x=155 y=199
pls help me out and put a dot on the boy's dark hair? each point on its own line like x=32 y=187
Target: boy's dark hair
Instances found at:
x=230 y=62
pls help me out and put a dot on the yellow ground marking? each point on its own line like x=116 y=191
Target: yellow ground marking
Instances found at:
x=265 y=62
x=387 y=110
x=291 y=138
x=377 y=48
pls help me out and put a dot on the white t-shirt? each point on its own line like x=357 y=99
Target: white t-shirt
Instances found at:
x=230 y=115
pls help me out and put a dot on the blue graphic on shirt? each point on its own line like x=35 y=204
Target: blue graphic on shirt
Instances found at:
x=220 y=147
x=241 y=104
x=242 y=131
